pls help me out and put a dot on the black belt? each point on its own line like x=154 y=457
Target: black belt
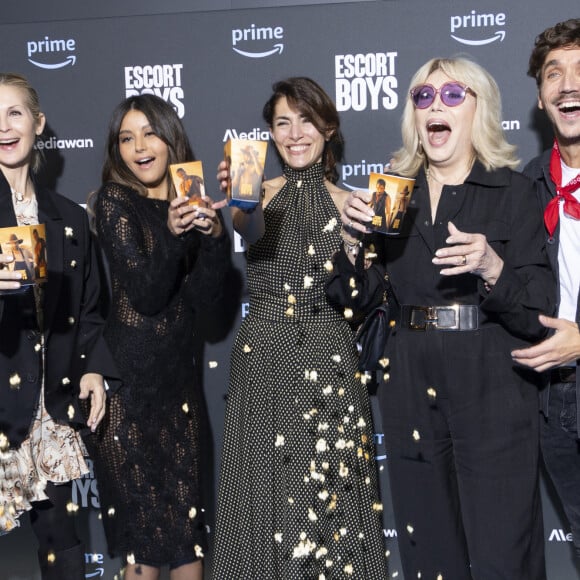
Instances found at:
x=452 y=317
x=563 y=375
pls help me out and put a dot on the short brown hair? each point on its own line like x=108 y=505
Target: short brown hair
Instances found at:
x=562 y=35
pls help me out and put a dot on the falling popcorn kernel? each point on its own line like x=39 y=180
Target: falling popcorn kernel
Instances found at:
x=321 y=446
x=278 y=537
x=291 y=299
x=384 y=362
x=328 y=266
x=185 y=408
x=343 y=470
x=37 y=347
x=327 y=390
x=4 y=443
x=336 y=358
x=361 y=423
x=51 y=557
x=72 y=507
x=73 y=264
x=111 y=512
x=70 y=412
x=377 y=506
x=348 y=314
x=198 y=551
x=65 y=381
x=410 y=529
x=247 y=348
x=311 y=250
x=329 y=227
x=289 y=311
x=212 y=364
x=14 y=381
x=348 y=569
x=279 y=440
x=352 y=282
x=416 y=435
x=308 y=280
x=192 y=513
x=291 y=500
x=392 y=323
x=323 y=495
x=312 y=515
x=68 y=232
x=354 y=293
x=432 y=392
x=131 y=559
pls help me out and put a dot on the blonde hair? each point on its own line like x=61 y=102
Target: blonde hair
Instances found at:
x=487 y=137
x=32 y=103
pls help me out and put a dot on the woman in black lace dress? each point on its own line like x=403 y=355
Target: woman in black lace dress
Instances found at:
x=167 y=261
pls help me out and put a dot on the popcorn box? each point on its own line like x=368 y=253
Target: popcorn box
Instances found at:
x=27 y=245
x=246 y=160
x=390 y=200
x=188 y=182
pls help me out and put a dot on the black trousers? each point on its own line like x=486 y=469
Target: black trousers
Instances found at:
x=461 y=432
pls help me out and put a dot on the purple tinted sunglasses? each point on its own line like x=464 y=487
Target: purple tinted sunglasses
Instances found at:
x=452 y=94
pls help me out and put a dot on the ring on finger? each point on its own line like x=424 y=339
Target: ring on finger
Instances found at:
x=464 y=260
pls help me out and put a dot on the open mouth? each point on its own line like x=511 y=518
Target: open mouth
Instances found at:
x=569 y=107
x=437 y=127
x=145 y=161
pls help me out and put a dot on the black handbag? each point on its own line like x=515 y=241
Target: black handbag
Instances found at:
x=372 y=335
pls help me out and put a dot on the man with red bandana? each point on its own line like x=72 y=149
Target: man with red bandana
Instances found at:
x=555 y=64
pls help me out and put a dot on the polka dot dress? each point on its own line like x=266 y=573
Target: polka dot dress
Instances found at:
x=298 y=492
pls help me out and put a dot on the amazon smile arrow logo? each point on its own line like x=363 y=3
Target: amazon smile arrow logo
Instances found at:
x=499 y=35
x=71 y=59
x=277 y=48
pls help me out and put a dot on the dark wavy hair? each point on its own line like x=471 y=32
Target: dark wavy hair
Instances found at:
x=307 y=97
x=166 y=125
x=563 y=35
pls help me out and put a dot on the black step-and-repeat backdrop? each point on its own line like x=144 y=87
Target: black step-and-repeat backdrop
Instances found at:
x=216 y=68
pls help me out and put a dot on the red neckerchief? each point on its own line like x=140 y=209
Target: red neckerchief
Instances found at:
x=564 y=193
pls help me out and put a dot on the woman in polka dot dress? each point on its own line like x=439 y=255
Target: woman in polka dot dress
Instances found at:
x=298 y=491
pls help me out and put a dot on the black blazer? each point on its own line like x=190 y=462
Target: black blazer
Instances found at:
x=73 y=325
x=539 y=170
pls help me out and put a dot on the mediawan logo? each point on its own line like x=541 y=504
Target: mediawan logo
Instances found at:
x=163 y=80
x=258 y=42
x=54 y=143
x=559 y=535
x=366 y=81
x=51 y=50
x=474 y=25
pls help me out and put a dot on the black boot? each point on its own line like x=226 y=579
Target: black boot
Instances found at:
x=64 y=565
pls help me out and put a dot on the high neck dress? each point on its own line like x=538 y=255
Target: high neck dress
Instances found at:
x=298 y=492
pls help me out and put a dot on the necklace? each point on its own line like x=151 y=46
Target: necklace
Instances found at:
x=429 y=176
x=18 y=195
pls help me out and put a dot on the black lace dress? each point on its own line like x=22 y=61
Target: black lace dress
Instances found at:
x=147 y=456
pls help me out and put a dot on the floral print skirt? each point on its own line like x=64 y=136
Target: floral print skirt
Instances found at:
x=52 y=452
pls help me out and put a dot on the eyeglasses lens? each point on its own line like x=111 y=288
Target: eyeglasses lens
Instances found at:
x=452 y=95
